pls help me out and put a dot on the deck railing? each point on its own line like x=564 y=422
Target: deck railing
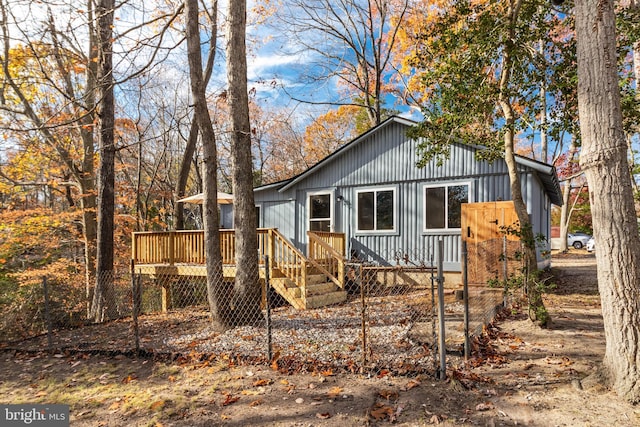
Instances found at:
x=186 y=247
x=336 y=240
x=325 y=252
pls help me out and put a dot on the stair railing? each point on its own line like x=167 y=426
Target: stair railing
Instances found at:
x=325 y=257
x=288 y=260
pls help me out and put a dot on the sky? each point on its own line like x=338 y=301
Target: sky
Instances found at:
x=274 y=74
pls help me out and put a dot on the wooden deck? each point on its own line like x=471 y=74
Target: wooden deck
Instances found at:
x=310 y=281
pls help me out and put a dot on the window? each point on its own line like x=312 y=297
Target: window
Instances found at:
x=375 y=210
x=258 y=217
x=320 y=212
x=443 y=206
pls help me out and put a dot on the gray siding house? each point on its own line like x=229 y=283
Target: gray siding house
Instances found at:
x=390 y=209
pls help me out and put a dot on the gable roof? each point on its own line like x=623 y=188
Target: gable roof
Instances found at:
x=340 y=151
x=545 y=172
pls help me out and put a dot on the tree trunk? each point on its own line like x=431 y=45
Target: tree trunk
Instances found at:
x=217 y=293
x=103 y=297
x=565 y=210
x=183 y=175
x=537 y=310
x=192 y=139
x=247 y=292
x=565 y=216
x=604 y=161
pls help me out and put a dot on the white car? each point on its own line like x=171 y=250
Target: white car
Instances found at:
x=591 y=245
x=578 y=240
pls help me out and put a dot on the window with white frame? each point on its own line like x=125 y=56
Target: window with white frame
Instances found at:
x=320 y=212
x=443 y=206
x=375 y=209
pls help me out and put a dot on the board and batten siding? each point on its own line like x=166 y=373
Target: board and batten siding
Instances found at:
x=386 y=158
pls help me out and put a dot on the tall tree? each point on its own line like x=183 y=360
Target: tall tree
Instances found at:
x=103 y=297
x=192 y=138
x=604 y=161
x=247 y=291
x=479 y=82
x=353 y=41
x=218 y=295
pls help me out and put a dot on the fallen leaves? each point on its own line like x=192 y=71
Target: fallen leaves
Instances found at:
x=129 y=378
x=388 y=395
x=380 y=411
x=412 y=384
x=230 y=399
x=255 y=403
x=334 y=392
x=262 y=382
x=563 y=361
x=485 y=406
x=157 y=405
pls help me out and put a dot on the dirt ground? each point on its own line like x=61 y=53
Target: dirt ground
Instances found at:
x=526 y=376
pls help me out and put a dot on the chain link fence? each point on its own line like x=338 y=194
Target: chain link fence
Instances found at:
x=290 y=315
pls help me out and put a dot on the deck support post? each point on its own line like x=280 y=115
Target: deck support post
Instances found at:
x=166 y=296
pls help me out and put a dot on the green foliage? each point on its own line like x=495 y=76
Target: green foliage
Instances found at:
x=525 y=235
x=460 y=57
x=533 y=284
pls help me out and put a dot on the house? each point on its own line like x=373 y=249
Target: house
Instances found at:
x=389 y=209
x=369 y=202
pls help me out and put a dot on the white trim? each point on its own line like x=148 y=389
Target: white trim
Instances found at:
x=446 y=185
x=375 y=190
x=332 y=216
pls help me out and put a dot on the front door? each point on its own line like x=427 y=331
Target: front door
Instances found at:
x=320 y=208
x=483 y=228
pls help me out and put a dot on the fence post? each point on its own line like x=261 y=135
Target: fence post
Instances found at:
x=434 y=340
x=505 y=267
x=441 y=343
x=47 y=314
x=267 y=285
x=363 y=316
x=465 y=299
x=135 y=306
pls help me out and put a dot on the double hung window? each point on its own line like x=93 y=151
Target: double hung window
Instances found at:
x=443 y=206
x=376 y=210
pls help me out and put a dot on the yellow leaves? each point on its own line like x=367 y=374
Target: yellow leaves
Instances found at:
x=334 y=392
x=327 y=373
x=158 y=405
x=28 y=238
x=262 y=382
x=129 y=378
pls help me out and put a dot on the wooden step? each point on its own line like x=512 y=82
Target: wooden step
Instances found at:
x=321 y=288
x=326 y=299
x=313 y=279
x=320 y=292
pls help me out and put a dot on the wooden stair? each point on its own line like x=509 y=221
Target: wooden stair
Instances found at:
x=318 y=292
